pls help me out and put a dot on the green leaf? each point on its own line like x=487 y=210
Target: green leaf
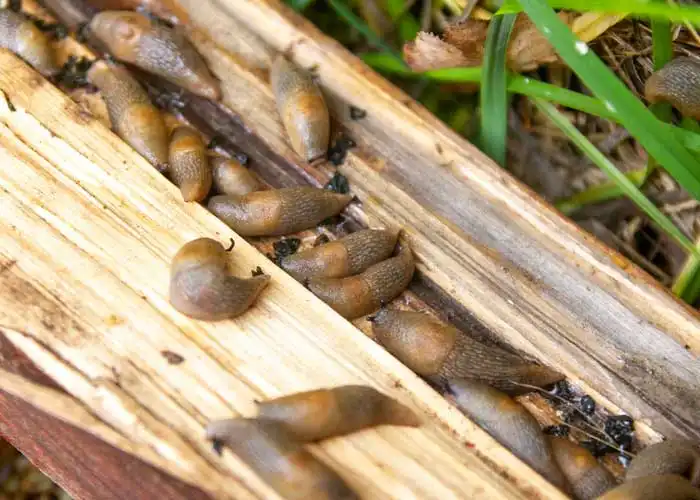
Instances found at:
x=636 y=8
x=300 y=5
x=659 y=141
x=345 y=13
x=687 y=283
x=625 y=184
x=494 y=96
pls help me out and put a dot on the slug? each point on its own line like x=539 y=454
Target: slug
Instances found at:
x=133 y=38
x=588 y=478
x=278 y=211
x=436 y=350
x=302 y=109
x=281 y=461
x=189 y=164
x=134 y=118
x=366 y=292
x=677 y=83
x=230 y=177
x=20 y=35
x=344 y=257
x=200 y=287
x=673 y=456
x=509 y=423
x=324 y=413
x=661 y=487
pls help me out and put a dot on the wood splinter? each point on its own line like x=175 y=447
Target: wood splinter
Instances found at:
x=438 y=351
x=324 y=413
x=279 y=459
x=201 y=288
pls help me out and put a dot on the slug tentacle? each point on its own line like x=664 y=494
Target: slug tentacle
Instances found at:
x=587 y=477
x=436 y=350
x=132 y=37
x=281 y=461
x=230 y=177
x=673 y=456
x=133 y=117
x=20 y=35
x=366 y=292
x=278 y=211
x=325 y=413
x=344 y=257
x=678 y=83
x=302 y=109
x=509 y=423
x=660 y=487
x=200 y=287
x=189 y=164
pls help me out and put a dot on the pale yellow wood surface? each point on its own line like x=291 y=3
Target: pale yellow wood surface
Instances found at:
x=537 y=281
x=87 y=231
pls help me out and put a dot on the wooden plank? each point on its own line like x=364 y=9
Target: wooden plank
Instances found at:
x=88 y=230
x=533 y=278
x=85 y=466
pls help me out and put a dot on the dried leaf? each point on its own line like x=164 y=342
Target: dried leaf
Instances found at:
x=428 y=52
x=528 y=49
x=469 y=36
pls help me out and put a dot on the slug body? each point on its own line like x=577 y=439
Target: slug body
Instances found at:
x=588 y=478
x=673 y=456
x=302 y=109
x=20 y=35
x=230 y=177
x=661 y=487
x=436 y=350
x=133 y=117
x=509 y=423
x=189 y=164
x=325 y=413
x=677 y=83
x=279 y=211
x=132 y=37
x=344 y=257
x=279 y=460
x=366 y=292
x=200 y=287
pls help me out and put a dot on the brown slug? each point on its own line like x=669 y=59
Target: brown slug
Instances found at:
x=154 y=47
x=366 y=292
x=278 y=211
x=230 y=177
x=324 y=413
x=20 y=35
x=677 y=83
x=587 y=477
x=509 y=423
x=673 y=456
x=344 y=257
x=302 y=109
x=659 y=487
x=138 y=122
x=281 y=461
x=436 y=350
x=201 y=288
x=189 y=164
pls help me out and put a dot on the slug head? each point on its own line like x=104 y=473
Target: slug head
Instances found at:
x=35 y=47
x=417 y=340
x=189 y=164
x=253 y=214
x=588 y=478
x=350 y=297
x=673 y=456
x=121 y=32
x=325 y=261
x=197 y=253
x=230 y=177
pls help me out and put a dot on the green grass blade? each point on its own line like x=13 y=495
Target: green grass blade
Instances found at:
x=494 y=96
x=356 y=22
x=615 y=175
x=636 y=8
x=687 y=283
x=407 y=25
x=660 y=142
x=597 y=194
x=300 y=5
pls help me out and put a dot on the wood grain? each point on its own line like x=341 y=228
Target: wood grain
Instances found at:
x=538 y=282
x=87 y=232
